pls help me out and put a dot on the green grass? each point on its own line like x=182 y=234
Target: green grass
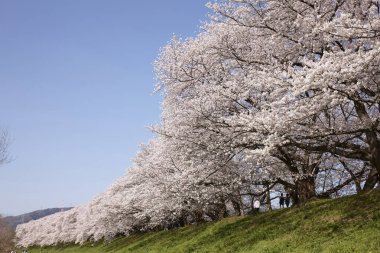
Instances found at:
x=349 y=224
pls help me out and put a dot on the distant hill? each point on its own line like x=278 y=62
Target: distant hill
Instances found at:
x=13 y=221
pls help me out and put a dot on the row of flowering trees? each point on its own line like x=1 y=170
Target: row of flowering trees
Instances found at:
x=270 y=95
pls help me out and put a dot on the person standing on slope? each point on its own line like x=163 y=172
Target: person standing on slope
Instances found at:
x=256 y=206
x=282 y=200
x=287 y=200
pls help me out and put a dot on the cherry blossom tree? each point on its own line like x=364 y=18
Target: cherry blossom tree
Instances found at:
x=270 y=95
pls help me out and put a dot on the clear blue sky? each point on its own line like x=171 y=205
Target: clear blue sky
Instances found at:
x=76 y=79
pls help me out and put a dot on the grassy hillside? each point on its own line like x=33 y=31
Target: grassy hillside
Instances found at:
x=350 y=224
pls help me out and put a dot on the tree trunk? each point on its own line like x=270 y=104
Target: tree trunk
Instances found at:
x=217 y=212
x=305 y=190
x=199 y=216
x=236 y=206
x=371 y=136
x=371 y=180
x=374 y=147
x=268 y=201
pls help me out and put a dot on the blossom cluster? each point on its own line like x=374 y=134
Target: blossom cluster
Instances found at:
x=270 y=95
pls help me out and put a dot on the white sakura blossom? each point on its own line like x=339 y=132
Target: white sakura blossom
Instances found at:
x=275 y=95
